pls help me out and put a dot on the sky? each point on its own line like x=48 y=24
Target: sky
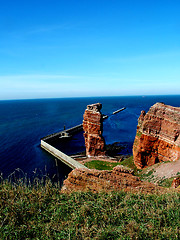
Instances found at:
x=83 y=48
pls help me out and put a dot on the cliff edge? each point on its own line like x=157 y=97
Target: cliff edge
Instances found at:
x=158 y=136
x=120 y=178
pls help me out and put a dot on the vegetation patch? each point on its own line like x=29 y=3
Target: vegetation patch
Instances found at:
x=101 y=165
x=129 y=162
x=105 y=165
x=41 y=211
x=149 y=174
x=139 y=134
x=165 y=182
x=146 y=174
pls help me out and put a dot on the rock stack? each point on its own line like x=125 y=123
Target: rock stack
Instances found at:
x=93 y=128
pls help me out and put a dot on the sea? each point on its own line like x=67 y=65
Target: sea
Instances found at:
x=24 y=122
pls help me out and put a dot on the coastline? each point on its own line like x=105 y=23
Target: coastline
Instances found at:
x=24 y=122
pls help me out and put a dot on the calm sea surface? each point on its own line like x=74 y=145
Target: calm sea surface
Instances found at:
x=24 y=122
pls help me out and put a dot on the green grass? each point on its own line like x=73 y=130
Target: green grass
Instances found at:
x=43 y=212
x=128 y=162
x=104 y=165
x=146 y=175
x=165 y=182
x=101 y=165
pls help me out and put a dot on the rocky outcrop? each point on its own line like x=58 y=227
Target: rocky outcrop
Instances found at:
x=176 y=182
x=158 y=136
x=93 y=128
x=94 y=180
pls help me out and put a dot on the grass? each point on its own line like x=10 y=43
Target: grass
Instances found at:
x=165 y=182
x=41 y=211
x=128 y=162
x=101 y=165
x=104 y=165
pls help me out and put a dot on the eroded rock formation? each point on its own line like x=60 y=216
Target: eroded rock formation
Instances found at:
x=158 y=136
x=176 y=182
x=93 y=128
x=94 y=180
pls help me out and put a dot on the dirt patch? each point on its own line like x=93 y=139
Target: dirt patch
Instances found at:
x=161 y=171
x=167 y=170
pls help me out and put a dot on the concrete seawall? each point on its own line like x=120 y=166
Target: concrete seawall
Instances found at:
x=72 y=130
x=61 y=156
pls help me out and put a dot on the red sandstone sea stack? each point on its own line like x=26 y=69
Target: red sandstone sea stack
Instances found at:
x=93 y=128
x=158 y=136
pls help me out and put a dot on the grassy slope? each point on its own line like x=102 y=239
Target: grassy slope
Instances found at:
x=145 y=174
x=42 y=212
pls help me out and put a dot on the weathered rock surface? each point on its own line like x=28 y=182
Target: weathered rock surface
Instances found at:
x=118 y=179
x=158 y=136
x=93 y=128
x=176 y=182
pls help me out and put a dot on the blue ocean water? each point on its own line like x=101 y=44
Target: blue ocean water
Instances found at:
x=24 y=122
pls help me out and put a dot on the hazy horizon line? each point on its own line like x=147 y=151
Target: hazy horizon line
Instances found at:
x=108 y=96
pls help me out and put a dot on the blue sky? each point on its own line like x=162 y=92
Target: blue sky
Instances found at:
x=63 y=48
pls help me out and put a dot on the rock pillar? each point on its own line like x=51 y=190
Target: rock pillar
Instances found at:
x=93 y=128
